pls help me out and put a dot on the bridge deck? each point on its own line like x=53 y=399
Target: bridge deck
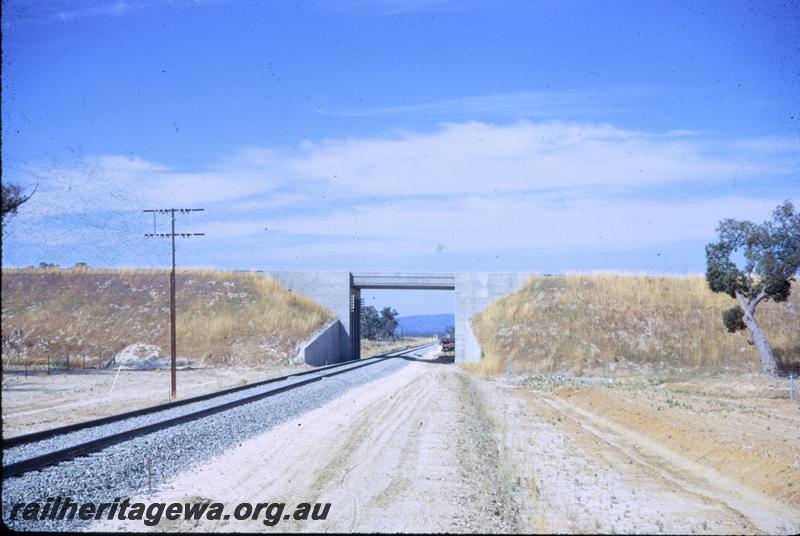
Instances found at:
x=374 y=280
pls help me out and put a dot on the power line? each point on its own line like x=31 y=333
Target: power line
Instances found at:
x=172 y=235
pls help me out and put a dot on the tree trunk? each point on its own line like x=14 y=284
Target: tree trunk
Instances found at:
x=769 y=365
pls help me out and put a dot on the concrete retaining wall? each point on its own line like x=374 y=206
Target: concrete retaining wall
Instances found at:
x=332 y=291
x=325 y=348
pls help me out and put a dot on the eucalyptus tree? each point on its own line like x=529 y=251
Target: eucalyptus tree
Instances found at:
x=12 y=198
x=769 y=255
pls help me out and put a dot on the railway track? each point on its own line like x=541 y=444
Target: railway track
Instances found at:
x=54 y=446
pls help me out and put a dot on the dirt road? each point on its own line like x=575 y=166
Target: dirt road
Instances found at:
x=434 y=448
x=646 y=460
x=412 y=452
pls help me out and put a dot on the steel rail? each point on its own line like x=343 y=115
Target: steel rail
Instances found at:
x=69 y=428
x=51 y=458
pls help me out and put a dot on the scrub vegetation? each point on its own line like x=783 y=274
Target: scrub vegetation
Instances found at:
x=222 y=317
x=581 y=323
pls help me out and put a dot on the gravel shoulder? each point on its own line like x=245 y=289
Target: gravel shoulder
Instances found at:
x=410 y=452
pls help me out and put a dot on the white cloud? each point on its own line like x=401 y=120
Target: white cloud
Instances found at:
x=551 y=103
x=464 y=188
x=473 y=224
x=123 y=183
x=114 y=8
x=270 y=201
x=397 y=7
x=471 y=158
x=479 y=157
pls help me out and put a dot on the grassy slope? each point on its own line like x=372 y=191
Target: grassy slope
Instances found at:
x=579 y=323
x=223 y=317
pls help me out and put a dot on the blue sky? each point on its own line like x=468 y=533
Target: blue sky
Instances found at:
x=420 y=135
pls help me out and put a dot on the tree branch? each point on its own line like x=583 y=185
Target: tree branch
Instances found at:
x=27 y=197
x=742 y=302
x=750 y=307
x=761 y=295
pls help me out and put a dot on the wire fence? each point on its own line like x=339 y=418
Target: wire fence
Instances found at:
x=51 y=365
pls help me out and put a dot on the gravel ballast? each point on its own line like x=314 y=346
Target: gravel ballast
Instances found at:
x=62 y=441
x=121 y=470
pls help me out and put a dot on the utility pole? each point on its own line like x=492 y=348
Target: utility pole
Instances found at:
x=172 y=235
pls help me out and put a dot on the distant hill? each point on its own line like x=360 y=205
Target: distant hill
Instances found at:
x=425 y=324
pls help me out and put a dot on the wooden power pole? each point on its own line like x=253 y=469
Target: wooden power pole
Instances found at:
x=172 y=235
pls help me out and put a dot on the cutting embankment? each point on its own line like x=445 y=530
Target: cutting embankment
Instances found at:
x=222 y=317
x=232 y=328
x=687 y=436
x=639 y=324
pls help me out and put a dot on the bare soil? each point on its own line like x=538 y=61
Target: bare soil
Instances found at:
x=639 y=458
x=40 y=401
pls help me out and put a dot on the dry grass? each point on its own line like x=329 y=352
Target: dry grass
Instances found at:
x=223 y=317
x=580 y=323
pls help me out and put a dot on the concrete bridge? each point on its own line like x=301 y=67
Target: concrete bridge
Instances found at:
x=340 y=292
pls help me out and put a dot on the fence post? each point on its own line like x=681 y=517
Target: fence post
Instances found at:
x=26 y=365
x=115 y=382
x=149 y=476
x=84 y=361
x=791 y=386
x=48 y=364
x=67 y=361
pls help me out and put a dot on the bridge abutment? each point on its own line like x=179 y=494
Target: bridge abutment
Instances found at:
x=340 y=293
x=475 y=291
x=331 y=290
